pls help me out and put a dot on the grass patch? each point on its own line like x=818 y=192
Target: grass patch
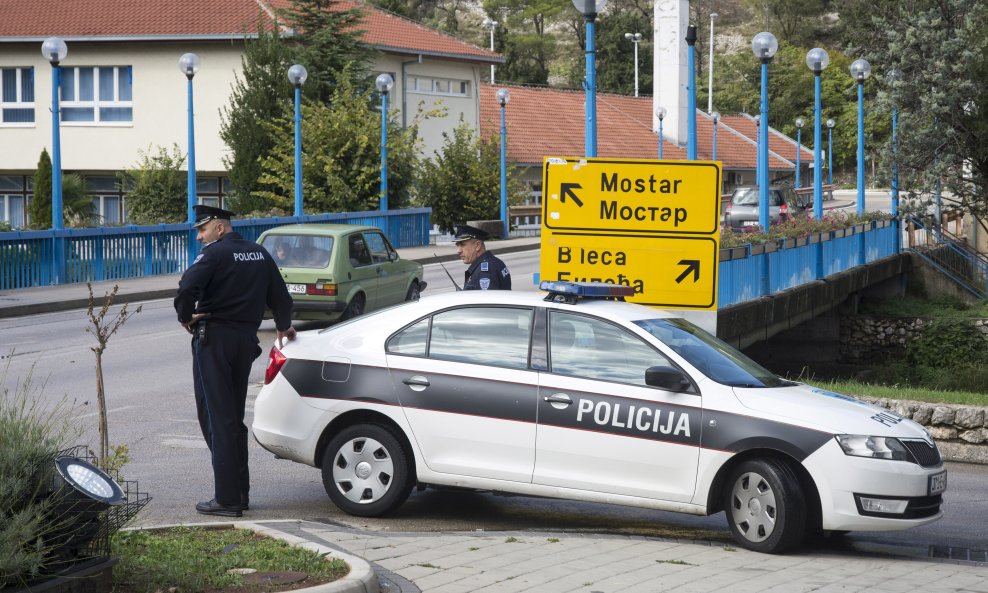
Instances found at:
x=683 y=562
x=899 y=392
x=196 y=560
x=915 y=306
x=553 y=540
x=512 y=540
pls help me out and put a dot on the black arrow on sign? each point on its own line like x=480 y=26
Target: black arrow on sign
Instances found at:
x=692 y=265
x=566 y=189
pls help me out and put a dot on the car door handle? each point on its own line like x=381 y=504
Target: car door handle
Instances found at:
x=560 y=401
x=417 y=382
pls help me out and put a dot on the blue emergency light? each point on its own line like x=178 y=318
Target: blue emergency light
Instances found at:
x=569 y=292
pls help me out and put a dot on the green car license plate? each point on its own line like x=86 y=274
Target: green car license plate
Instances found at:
x=296 y=288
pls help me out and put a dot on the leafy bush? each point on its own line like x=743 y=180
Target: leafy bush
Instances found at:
x=30 y=438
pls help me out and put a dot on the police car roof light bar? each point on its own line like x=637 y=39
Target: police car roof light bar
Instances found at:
x=570 y=292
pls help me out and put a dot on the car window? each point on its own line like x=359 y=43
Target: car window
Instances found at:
x=744 y=196
x=359 y=254
x=708 y=354
x=299 y=251
x=591 y=348
x=379 y=247
x=495 y=336
x=411 y=341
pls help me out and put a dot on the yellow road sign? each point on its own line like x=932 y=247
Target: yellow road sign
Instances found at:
x=628 y=195
x=676 y=271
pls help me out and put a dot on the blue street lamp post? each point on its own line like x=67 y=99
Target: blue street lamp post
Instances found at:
x=503 y=96
x=691 y=101
x=764 y=45
x=715 y=116
x=817 y=60
x=800 y=122
x=830 y=151
x=55 y=50
x=660 y=113
x=860 y=71
x=590 y=9
x=297 y=75
x=189 y=65
x=384 y=84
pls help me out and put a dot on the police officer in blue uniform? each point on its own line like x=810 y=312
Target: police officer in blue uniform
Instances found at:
x=486 y=272
x=221 y=300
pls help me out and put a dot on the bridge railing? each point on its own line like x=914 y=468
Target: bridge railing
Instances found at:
x=42 y=258
x=753 y=271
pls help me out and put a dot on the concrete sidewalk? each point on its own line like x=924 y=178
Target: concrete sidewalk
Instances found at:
x=553 y=562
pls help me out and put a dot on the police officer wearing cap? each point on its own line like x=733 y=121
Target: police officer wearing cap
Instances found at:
x=221 y=300
x=486 y=272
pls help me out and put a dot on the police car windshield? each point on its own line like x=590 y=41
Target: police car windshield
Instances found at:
x=714 y=358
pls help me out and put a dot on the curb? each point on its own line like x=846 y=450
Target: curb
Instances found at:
x=360 y=579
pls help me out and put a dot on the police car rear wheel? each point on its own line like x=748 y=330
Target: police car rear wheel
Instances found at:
x=366 y=471
x=765 y=506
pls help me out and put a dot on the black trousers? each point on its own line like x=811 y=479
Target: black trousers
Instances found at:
x=220 y=371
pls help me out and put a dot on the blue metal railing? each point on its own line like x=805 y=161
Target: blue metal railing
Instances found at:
x=765 y=270
x=950 y=255
x=27 y=258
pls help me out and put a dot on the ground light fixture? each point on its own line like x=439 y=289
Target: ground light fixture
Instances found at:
x=89 y=480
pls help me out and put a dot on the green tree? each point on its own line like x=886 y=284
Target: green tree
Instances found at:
x=341 y=156
x=157 y=187
x=327 y=43
x=77 y=207
x=526 y=37
x=616 y=55
x=462 y=181
x=940 y=51
x=261 y=92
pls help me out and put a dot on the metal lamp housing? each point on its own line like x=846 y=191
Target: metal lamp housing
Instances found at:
x=189 y=64
x=764 y=45
x=860 y=70
x=589 y=7
x=503 y=97
x=384 y=83
x=660 y=113
x=817 y=59
x=297 y=74
x=54 y=49
x=89 y=480
x=831 y=123
x=800 y=122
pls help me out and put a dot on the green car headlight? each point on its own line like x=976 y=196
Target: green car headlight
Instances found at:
x=874 y=447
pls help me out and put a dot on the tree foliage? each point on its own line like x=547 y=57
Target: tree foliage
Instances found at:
x=158 y=189
x=77 y=207
x=463 y=181
x=341 y=156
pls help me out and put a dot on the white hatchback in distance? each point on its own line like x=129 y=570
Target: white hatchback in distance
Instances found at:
x=575 y=395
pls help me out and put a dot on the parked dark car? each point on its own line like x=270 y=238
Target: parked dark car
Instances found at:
x=742 y=211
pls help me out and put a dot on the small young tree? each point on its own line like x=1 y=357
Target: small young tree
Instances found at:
x=77 y=207
x=341 y=156
x=40 y=209
x=463 y=182
x=103 y=328
x=157 y=187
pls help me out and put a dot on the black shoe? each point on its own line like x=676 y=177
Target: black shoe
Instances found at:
x=223 y=510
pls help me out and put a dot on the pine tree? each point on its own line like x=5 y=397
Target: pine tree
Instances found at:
x=40 y=209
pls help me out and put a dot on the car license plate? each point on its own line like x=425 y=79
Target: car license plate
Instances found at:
x=296 y=288
x=938 y=482
x=750 y=223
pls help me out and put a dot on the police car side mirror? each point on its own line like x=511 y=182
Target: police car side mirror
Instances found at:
x=667 y=378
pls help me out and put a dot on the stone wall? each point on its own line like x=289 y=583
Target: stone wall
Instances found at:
x=961 y=432
x=865 y=338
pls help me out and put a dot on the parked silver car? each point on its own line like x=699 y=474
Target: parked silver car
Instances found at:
x=742 y=211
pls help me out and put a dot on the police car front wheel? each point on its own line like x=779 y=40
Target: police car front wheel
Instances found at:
x=765 y=506
x=366 y=471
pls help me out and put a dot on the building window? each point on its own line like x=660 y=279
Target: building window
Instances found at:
x=108 y=199
x=439 y=86
x=16 y=96
x=213 y=191
x=15 y=194
x=97 y=94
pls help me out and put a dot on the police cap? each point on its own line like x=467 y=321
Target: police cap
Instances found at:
x=206 y=213
x=465 y=232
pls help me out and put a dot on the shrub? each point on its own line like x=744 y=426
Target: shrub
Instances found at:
x=30 y=438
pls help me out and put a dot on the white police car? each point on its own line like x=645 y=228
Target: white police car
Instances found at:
x=565 y=396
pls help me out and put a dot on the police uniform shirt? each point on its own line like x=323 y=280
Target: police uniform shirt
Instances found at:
x=487 y=273
x=233 y=280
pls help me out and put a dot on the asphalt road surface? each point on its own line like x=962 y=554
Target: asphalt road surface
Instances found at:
x=147 y=371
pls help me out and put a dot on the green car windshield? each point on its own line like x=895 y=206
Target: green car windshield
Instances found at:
x=299 y=251
x=710 y=355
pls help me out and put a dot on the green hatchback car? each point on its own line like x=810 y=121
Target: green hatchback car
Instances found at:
x=339 y=271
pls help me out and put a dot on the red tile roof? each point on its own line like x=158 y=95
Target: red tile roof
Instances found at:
x=105 y=20
x=544 y=122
